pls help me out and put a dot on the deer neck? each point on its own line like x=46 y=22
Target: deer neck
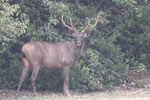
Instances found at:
x=76 y=51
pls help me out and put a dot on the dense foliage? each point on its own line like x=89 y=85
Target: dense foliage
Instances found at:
x=119 y=43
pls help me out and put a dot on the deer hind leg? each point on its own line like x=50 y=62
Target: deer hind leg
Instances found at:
x=66 y=81
x=34 y=75
x=26 y=66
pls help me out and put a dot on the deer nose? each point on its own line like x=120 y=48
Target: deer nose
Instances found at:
x=78 y=43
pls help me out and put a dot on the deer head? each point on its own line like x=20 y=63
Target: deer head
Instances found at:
x=79 y=36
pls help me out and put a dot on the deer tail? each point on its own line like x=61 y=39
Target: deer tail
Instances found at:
x=23 y=52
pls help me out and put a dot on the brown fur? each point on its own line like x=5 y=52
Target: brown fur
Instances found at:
x=48 y=56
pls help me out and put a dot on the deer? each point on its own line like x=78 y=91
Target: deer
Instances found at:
x=50 y=55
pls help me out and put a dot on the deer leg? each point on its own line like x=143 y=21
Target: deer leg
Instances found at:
x=66 y=81
x=24 y=72
x=33 y=77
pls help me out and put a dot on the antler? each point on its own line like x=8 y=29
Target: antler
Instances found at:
x=71 y=28
x=90 y=27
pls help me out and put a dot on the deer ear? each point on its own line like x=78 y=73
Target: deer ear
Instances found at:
x=87 y=33
x=72 y=33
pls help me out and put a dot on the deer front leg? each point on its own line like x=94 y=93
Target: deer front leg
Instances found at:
x=66 y=81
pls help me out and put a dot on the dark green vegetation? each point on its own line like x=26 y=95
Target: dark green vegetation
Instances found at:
x=120 y=42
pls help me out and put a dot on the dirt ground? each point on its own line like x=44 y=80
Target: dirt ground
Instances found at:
x=134 y=94
x=127 y=92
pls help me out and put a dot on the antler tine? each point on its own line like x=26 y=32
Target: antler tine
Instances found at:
x=87 y=25
x=71 y=28
x=72 y=25
x=95 y=23
x=88 y=28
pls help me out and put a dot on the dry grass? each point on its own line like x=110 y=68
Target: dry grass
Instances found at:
x=136 y=94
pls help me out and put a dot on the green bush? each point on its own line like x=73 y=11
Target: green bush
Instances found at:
x=10 y=70
x=103 y=64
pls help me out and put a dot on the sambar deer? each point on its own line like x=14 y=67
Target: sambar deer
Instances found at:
x=49 y=55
